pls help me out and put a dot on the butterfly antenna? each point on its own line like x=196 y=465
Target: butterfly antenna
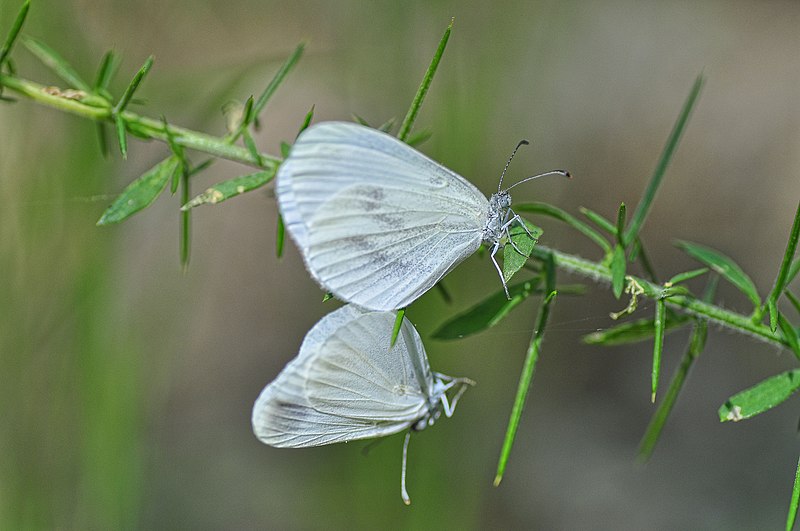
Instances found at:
x=522 y=142
x=563 y=173
x=403 y=491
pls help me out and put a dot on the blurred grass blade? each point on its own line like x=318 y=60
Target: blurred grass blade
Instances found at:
x=793 y=271
x=251 y=147
x=101 y=138
x=141 y=192
x=526 y=377
x=387 y=125
x=598 y=220
x=122 y=138
x=307 y=120
x=783 y=274
x=688 y=275
x=56 y=63
x=725 y=266
x=634 y=331
x=411 y=116
x=561 y=215
x=522 y=242
x=792 y=516
x=13 y=33
x=618 y=270
x=280 y=236
x=398 y=322
x=620 y=228
x=793 y=300
x=361 y=120
x=789 y=333
x=643 y=208
x=277 y=79
x=133 y=85
x=108 y=67
x=658 y=346
x=761 y=397
x=444 y=292
x=486 y=313
x=231 y=188
x=418 y=137
x=653 y=433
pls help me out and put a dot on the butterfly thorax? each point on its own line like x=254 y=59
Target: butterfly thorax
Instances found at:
x=495 y=220
x=434 y=409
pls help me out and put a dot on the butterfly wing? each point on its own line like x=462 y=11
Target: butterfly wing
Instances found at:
x=377 y=222
x=345 y=383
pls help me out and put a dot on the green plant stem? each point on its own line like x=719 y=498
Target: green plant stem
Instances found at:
x=140 y=125
x=688 y=304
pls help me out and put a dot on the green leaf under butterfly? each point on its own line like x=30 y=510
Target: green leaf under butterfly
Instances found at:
x=230 y=188
x=486 y=313
x=523 y=243
x=725 y=266
x=141 y=192
x=761 y=397
x=634 y=331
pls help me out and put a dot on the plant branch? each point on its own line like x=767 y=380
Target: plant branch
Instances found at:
x=78 y=103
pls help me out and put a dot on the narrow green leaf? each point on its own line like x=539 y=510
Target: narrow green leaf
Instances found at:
x=634 y=331
x=285 y=149
x=387 y=125
x=398 y=322
x=638 y=253
x=108 y=67
x=598 y=220
x=101 y=138
x=141 y=192
x=280 y=237
x=185 y=215
x=618 y=271
x=251 y=147
x=793 y=271
x=526 y=377
x=328 y=296
x=723 y=265
x=761 y=397
x=277 y=79
x=11 y=38
x=620 y=228
x=687 y=275
x=418 y=137
x=307 y=120
x=521 y=242
x=658 y=346
x=783 y=278
x=231 y=188
x=789 y=334
x=180 y=153
x=361 y=120
x=793 y=300
x=444 y=292
x=133 y=85
x=653 y=433
x=411 y=116
x=56 y=63
x=486 y=313
x=561 y=215
x=643 y=208
x=121 y=135
x=792 y=516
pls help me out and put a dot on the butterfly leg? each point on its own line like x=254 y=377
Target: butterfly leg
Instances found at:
x=495 y=247
x=403 y=491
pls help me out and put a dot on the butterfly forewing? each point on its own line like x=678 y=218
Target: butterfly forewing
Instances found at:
x=377 y=222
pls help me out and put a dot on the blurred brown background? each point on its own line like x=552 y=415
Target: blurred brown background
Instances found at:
x=126 y=386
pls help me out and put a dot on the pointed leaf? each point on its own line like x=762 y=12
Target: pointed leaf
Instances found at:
x=761 y=397
x=620 y=228
x=411 y=116
x=277 y=79
x=231 y=188
x=280 y=236
x=634 y=331
x=618 y=271
x=418 y=137
x=789 y=333
x=108 y=67
x=398 y=323
x=598 y=220
x=688 y=275
x=523 y=242
x=140 y=193
x=726 y=267
x=56 y=63
x=658 y=346
x=486 y=313
x=14 y=32
x=561 y=215
x=792 y=515
x=121 y=135
x=133 y=85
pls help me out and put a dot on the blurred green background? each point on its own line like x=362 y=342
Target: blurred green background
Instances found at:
x=126 y=386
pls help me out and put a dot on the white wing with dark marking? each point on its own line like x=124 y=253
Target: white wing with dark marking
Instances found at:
x=377 y=222
x=346 y=383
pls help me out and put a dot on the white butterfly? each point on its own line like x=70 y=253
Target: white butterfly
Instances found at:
x=347 y=383
x=377 y=222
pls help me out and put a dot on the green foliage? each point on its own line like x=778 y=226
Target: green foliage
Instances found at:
x=516 y=253
x=634 y=331
x=141 y=192
x=724 y=266
x=761 y=397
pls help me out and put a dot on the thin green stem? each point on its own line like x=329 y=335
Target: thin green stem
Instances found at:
x=686 y=303
x=141 y=125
